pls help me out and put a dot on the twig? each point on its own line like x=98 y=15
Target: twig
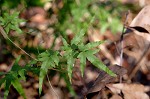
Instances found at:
x=121 y=39
x=6 y=37
x=52 y=87
x=121 y=43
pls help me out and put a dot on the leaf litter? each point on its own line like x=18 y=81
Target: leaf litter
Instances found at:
x=139 y=28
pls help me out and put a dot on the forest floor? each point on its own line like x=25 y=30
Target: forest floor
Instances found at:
x=133 y=69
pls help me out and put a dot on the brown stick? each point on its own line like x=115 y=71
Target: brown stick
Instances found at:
x=6 y=37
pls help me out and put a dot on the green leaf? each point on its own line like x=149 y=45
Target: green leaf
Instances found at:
x=93 y=44
x=7 y=85
x=104 y=27
x=65 y=42
x=15 y=15
x=74 y=47
x=18 y=30
x=8 y=78
x=82 y=58
x=12 y=78
x=32 y=68
x=78 y=37
x=49 y=59
x=43 y=56
x=43 y=72
x=22 y=74
x=2 y=73
x=91 y=52
x=2 y=21
x=11 y=22
x=69 y=56
x=56 y=58
x=15 y=66
x=96 y=62
x=70 y=65
x=2 y=80
x=7 y=29
x=66 y=45
x=81 y=47
x=17 y=85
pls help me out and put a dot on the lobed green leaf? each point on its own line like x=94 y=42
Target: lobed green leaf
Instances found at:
x=82 y=58
x=16 y=66
x=2 y=80
x=2 y=73
x=43 y=72
x=56 y=58
x=11 y=22
x=8 y=81
x=22 y=74
x=18 y=87
x=93 y=44
x=49 y=59
x=96 y=62
x=70 y=65
x=78 y=37
x=64 y=42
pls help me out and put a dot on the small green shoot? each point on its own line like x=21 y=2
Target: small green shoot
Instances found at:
x=11 y=22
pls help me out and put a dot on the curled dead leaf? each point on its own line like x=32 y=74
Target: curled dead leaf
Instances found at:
x=142 y=19
x=130 y=91
x=105 y=78
x=141 y=24
x=137 y=28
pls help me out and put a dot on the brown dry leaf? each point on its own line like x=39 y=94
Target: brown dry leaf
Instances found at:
x=140 y=26
x=144 y=2
x=141 y=23
x=129 y=18
x=134 y=45
x=130 y=91
x=105 y=78
x=116 y=97
x=142 y=19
